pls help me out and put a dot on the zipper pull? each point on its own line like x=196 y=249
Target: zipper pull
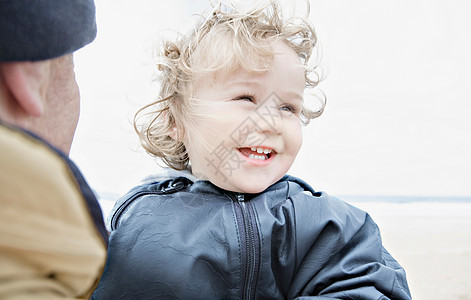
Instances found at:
x=240 y=198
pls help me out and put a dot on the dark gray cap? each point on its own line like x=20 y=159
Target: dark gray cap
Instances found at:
x=44 y=29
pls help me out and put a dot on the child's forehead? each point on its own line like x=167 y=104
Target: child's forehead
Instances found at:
x=291 y=81
x=223 y=78
x=283 y=58
x=239 y=76
x=234 y=77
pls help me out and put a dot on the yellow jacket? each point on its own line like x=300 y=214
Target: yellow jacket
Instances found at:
x=52 y=237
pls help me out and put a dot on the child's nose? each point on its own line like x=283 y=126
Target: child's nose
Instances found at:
x=269 y=121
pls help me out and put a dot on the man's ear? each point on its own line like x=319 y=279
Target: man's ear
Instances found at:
x=27 y=82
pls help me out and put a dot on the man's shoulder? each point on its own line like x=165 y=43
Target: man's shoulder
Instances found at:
x=44 y=215
x=28 y=159
x=16 y=141
x=35 y=175
x=24 y=153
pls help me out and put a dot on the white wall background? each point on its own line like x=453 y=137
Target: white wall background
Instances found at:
x=397 y=120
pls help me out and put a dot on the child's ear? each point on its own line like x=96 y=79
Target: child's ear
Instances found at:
x=27 y=82
x=176 y=134
x=173 y=133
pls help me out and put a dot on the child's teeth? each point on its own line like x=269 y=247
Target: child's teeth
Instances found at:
x=260 y=150
x=260 y=157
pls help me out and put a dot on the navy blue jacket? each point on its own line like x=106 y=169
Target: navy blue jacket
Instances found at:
x=179 y=239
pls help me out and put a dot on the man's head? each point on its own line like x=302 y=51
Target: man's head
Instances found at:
x=38 y=91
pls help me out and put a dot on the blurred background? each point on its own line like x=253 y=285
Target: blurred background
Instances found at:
x=394 y=139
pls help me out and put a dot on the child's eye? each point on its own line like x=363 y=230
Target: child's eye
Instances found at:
x=289 y=108
x=245 y=98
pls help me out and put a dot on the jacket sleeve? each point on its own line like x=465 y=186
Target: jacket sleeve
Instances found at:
x=346 y=260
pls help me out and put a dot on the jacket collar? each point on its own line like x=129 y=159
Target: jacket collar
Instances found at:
x=287 y=184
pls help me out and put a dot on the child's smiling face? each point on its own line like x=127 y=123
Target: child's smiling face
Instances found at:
x=246 y=130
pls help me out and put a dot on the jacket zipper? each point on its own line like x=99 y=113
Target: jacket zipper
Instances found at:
x=250 y=245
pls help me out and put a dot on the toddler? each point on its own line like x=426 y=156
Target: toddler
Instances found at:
x=225 y=221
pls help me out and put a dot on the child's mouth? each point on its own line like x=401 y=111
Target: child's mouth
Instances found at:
x=258 y=153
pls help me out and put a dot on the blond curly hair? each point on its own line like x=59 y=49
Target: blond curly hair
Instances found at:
x=226 y=40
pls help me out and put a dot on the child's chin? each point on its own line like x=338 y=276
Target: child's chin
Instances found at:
x=255 y=190
x=249 y=188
